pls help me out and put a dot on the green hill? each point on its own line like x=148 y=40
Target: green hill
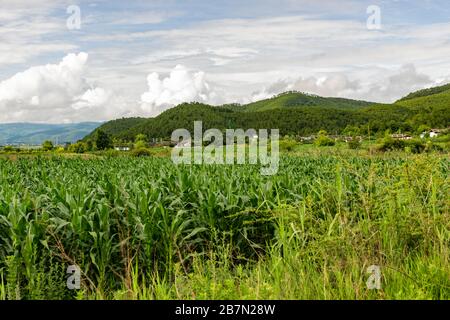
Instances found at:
x=294 y=99
x=426 y=92
x=295 y=113
x=182 y=116
x=430 y=108
x=296 y=121
x=116 y=127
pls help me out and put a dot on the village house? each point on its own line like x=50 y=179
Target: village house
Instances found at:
x=401 y=136
x=432 y=133
x=122 y=148
x=349 y=138
x=435 y=132
x=307 y=139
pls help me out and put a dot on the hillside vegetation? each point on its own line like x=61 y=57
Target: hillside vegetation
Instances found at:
x=426 y=92
x=432 y=109
x=296 y=113
x=298 y=99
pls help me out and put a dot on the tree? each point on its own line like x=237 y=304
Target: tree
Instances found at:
x=423 y=128
x=140 y=137
x=354 y=143
x=323 y=140
x=79 y=147
x=351 y=130
x=102 y=140
x=288 y=144
x=140 y=144
x=47 y=145
x=140 y=141
x=89 y=145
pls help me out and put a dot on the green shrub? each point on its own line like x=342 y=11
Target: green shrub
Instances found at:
x=140 y=145
x=324 y=141
x=416 y=146
x=354 y=144
x=431 y=146
x=79 y=147
x=412 y=146
x=390 y=144
x=47 y=145
x=141 y=152
x=287 y=145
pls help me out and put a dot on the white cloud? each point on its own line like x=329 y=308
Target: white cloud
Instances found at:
x=319 y=47
x=92 y=98
x=385 y=86
x=48 y=92
x=181 y=85
x=398 y=83
x=29 y=29
x=331 y=55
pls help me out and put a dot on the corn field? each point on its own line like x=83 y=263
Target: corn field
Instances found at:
x=144 y=228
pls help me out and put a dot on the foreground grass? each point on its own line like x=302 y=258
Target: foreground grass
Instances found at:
x=146 y=229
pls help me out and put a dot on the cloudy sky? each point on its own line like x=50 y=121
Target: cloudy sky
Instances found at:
x=138 y=58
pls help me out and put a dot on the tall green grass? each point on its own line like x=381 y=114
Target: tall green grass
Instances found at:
x=147 y=229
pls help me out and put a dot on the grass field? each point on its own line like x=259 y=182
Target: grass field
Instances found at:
x=143 y=228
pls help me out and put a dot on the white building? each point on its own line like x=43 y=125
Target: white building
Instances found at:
x=432 y=133
x=122 y=148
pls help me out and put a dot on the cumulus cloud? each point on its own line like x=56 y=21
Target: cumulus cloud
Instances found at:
x=384 y=86
x=398 y=83
x=92 y=98
x=181 y=85
x=51 y=91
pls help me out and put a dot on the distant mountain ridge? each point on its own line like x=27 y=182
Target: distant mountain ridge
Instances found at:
x=293 y=99
x=291 y=112
x=426 y=92
x=296 y=113
x=37 y=133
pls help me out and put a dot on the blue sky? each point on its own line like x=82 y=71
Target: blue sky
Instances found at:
x=138 y=58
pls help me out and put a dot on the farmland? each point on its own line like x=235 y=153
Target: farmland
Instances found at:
x=144 y=228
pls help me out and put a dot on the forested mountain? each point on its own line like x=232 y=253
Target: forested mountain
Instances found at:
x=430 y=106
x=426 y=92
x=296 y=113
x=116 y=127
x=294 y=99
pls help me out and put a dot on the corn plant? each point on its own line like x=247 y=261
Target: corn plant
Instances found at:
x=144 y=228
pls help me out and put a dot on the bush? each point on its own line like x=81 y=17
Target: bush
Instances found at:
x=47 y=145
x=79 y=147
x=413 y=146
x=141 y=152
x=430 y=146
x=140 y=144
x=354 y=144
x=324 y=141
x=287 y=145
x=390 y=144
